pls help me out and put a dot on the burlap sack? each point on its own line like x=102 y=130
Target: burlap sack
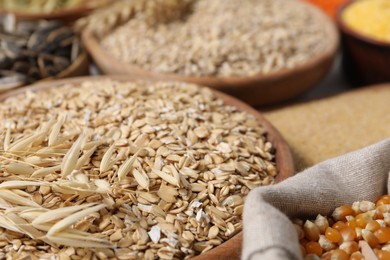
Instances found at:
x=268 y=232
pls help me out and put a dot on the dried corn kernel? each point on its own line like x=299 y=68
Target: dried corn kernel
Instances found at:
x=339 y=225
x=352 y=223
x=339 y=255
x=366 y=206
x=381 y=222
x=383 y=200
x=356 y=256
x=327 y=255
x=383 y=255
x=383 y=234
x=371 y=239
x=373 y=226
x=363 y=219
x=312 y=232
x=356 y=207
x=341 y=212
x=349 y=247
x=325 y=243
x=300 y=232
x=333 y=235
x=338 y=237
x=313 y=248
x=348 y=234
x=381 y=210
x=322 y=223
x=358 y=232
x=386 y=247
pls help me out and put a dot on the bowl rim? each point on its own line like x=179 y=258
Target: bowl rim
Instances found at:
x=93 y=46
x=345 y=28
x=285 y=167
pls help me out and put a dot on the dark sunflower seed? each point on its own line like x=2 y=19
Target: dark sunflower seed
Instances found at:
x=11 y=79
x=11 y=50
x=21 y=67
x=36 y=50
x=33 y=74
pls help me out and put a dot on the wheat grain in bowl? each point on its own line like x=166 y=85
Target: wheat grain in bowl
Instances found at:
x=125 y=170
x=214 y=38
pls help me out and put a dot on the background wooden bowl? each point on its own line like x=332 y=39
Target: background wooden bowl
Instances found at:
x=230 y=249
x=365 y=60
x=68 y=14
x=260 y=89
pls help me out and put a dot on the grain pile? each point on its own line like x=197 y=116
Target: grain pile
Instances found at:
x=352 y=232
x=34 y=50
x=128 y=170
x=375 y=23
x=211 y=38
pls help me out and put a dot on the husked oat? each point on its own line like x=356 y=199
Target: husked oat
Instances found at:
x=213 y=37
x=129 y=170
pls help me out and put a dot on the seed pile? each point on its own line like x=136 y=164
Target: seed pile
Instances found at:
x=30 y=51
x=369 y=18
x=211 y=38
x=132 y=170
x=349 y=231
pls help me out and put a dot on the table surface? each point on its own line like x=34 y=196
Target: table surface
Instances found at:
x=335 y=82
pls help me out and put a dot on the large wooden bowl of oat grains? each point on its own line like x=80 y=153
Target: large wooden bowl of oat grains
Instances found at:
x=259 y=51
x=98 y=167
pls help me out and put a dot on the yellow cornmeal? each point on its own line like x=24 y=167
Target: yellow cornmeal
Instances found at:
x=370 y=18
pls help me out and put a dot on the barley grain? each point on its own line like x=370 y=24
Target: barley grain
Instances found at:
x=205 y=38
x=111 y=185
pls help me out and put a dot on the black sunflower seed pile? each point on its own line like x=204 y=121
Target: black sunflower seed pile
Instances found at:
x=30 y=51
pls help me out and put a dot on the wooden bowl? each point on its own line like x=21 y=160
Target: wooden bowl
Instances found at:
x=230 y=249
x=365 y=60
x=261 y=89
x=68 y=14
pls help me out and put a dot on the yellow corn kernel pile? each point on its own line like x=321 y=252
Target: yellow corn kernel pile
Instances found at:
x=338 y=236
x=370 y=18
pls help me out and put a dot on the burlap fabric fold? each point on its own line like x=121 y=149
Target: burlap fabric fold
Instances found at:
x=268 y=232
